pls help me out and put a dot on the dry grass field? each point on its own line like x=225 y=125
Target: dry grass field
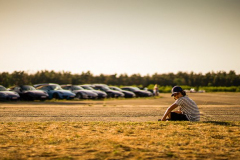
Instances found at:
x=119 y=129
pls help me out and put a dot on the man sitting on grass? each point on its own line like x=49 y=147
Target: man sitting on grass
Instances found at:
x=188 y=109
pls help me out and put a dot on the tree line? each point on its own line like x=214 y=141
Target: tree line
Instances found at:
x=216 y=79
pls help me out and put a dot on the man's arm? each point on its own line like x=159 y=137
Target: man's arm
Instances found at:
x=170 y=108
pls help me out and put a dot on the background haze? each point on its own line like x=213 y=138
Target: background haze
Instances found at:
x=113 y=36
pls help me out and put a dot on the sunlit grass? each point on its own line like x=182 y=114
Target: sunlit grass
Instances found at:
x=119 y=140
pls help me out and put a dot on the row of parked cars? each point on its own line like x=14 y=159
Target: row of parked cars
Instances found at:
x=55 y=91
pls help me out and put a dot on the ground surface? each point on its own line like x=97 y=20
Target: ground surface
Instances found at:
x=213 y=106
x=119 y=140
x=119 y=129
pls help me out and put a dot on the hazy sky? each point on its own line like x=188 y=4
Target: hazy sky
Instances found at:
x=120 y=36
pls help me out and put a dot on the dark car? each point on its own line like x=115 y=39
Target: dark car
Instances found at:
x=28 y=92
x=101 y=94
x=110 y=93
x=80 y=92
x=127 y=94
x=55 y=91
x=137 y=91
x=8 y=95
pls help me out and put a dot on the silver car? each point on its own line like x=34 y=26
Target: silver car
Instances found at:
x=80 y=92
x=101 y=94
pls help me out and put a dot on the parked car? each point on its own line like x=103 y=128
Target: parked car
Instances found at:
x=8 y=95
x=80 y=92
x=42 y=84
x=137 y=91
x=101 y=94
x=28 y=92
x=127 y=94
x=110 y=93
x=55 y=91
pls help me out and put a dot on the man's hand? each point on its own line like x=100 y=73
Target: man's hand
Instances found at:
x=163 y=119
x=178 y=112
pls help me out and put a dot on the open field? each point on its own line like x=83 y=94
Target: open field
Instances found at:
x=213 y=106
x=120 y=140
x=120 y=129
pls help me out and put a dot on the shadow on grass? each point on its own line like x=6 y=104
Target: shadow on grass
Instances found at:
x=223 y=123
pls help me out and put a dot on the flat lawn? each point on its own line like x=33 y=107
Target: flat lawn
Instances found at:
x=119 y=129
x=119 y=140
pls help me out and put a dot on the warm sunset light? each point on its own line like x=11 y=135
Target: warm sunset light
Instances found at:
x=120 y=36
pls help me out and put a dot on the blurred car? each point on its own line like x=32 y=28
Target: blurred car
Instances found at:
x=127 y=94
x=137 y=91
x=101 y=94
x=28 y=92
x=55 y=91
x=8 y=95
x=192 y=90
x=42 y=84
x=110 y=93
x=80 y=92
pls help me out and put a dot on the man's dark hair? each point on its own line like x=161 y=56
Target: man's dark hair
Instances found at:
x=183 y=93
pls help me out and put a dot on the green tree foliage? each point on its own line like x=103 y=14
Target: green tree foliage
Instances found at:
x=222 y=81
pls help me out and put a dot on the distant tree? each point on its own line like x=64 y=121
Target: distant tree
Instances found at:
x=5 y=79
x=87 y=77
x=20 y=78
x=220 y=78
x=76 y=79
x=123 y=79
